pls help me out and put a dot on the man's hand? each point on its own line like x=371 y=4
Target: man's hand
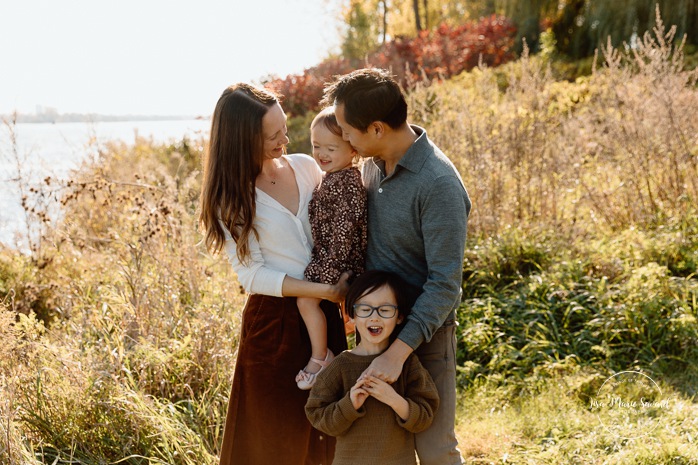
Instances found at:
x=388 y=365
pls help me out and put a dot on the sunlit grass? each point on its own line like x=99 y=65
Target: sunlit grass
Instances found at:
x=554 y=426
x=118 y=331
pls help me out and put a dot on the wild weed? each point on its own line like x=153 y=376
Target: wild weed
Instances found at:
x=119 y=333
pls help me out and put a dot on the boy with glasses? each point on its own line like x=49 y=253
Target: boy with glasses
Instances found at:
x=374 y=422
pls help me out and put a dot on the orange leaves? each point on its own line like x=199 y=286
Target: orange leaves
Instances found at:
x=434 y=54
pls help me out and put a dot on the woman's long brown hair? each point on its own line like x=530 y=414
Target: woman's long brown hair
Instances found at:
x=233 y=161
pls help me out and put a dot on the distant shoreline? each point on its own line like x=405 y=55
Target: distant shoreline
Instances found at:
x=52 y=118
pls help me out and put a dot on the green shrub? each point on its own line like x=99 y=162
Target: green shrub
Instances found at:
x=299 y=133
x=556 y=305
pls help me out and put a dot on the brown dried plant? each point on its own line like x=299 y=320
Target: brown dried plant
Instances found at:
x=608 y=151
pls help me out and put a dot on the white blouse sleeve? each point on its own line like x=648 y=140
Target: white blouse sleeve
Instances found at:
x=254 y=276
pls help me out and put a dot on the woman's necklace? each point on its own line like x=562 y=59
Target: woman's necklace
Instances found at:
x=270 y=177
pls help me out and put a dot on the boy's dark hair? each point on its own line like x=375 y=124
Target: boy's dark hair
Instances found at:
x=365 y=283
x=368 y=95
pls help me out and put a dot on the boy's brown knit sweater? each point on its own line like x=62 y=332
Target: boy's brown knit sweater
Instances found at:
x=374 y=434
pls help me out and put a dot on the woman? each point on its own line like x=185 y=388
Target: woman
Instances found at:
x=254 y=204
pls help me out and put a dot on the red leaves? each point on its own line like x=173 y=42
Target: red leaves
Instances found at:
x=432 y=55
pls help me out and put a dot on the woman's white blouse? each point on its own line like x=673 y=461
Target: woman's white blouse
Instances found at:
x=285 y=240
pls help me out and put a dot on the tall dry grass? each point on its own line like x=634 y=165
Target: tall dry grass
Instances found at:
x=118 y=333
x=605 y=152
x=137 y=363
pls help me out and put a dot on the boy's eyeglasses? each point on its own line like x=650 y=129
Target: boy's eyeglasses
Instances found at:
x=365 y=310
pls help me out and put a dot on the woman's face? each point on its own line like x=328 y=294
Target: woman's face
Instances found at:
x=274 y=129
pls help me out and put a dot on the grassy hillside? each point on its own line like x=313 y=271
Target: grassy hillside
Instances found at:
x=119 y=332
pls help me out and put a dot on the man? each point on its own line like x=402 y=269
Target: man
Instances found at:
x=417 y=214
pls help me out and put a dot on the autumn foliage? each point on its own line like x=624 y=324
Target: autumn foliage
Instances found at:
x=432 y=55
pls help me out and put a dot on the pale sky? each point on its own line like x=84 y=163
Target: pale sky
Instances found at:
x=165 y=57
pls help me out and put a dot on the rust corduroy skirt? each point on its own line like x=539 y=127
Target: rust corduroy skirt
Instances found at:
x=266 y=422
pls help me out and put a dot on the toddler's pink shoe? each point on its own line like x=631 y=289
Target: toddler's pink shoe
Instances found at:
x=305 y=380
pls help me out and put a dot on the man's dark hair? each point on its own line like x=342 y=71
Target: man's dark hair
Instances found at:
x=368 y=95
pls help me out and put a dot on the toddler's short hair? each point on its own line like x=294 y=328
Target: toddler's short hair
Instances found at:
x=327 y=117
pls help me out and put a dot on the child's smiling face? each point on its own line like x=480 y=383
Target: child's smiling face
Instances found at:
x=375 y=330
x=330 y=151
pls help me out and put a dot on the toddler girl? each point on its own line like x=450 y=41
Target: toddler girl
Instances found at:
x=374 y=421
x=338 y=222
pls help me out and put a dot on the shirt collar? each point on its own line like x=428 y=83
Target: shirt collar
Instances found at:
x=416 y=155
x=418 y=152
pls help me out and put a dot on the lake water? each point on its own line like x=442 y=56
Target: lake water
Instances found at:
x=55 y=149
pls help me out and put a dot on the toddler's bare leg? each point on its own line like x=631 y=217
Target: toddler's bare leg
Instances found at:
x=315 y=321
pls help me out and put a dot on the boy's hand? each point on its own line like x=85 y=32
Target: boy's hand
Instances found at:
x=358 y=394
x=379 y=389
x=385 y=393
